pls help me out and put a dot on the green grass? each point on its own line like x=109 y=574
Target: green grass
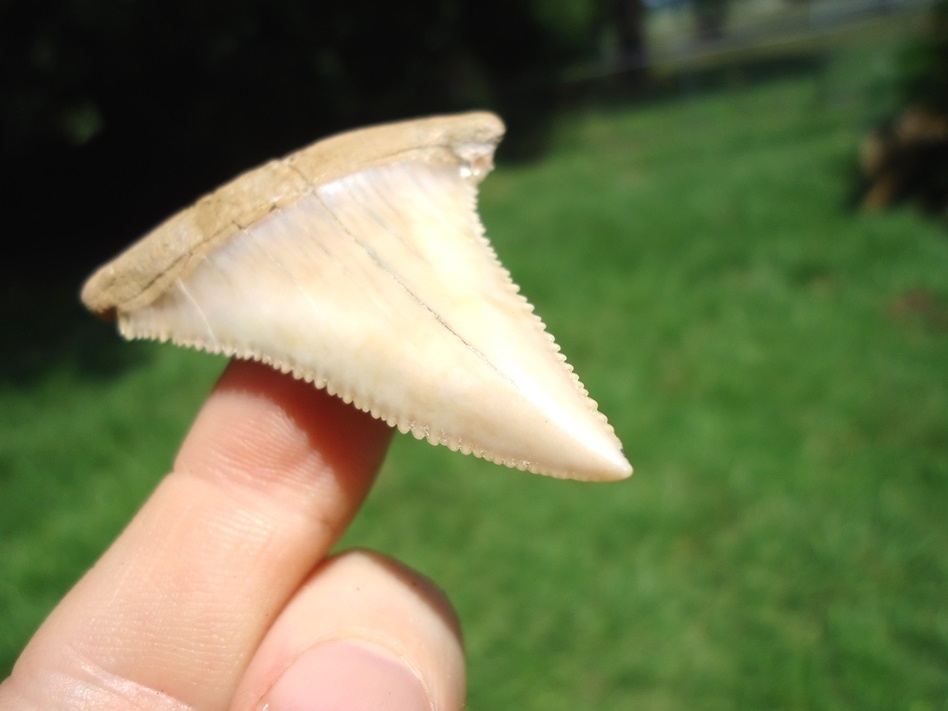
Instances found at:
x=776 y=366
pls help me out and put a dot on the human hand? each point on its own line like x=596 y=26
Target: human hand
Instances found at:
x=220 y=595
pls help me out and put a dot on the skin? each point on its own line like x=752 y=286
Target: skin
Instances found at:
x=220 y=594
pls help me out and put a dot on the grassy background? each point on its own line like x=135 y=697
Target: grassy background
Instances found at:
x=776 y=366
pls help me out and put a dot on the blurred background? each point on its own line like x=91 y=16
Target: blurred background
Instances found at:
x=730 y=213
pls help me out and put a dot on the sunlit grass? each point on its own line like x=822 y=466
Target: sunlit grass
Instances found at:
x=775 y=365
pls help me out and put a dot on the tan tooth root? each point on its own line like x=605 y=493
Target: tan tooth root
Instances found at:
x=360 y=264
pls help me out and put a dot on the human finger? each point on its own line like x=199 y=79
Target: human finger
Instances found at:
x=270 y=474
x=363 y=632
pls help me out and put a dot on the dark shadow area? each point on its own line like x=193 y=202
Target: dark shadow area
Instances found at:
x=113 y=116
x=46 y=327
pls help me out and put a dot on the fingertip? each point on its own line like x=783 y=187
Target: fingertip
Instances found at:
x=269 y=431
x=345 y=674
x=363 y=628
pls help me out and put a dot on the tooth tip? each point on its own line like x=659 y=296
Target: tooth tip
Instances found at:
x=603 y=466
x=622 y=470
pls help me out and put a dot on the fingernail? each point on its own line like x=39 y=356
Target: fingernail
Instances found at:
x=347 y=675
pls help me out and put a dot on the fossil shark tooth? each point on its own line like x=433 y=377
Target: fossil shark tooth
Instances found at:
x=360 y=264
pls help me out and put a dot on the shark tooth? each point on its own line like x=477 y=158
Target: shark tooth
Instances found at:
x=360 y=264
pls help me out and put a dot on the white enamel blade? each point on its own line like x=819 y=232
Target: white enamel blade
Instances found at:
x=380 y=286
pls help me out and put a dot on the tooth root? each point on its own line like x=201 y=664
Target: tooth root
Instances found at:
x=378 y=284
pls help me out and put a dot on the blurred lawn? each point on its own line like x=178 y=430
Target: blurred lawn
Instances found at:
x=776 y=366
